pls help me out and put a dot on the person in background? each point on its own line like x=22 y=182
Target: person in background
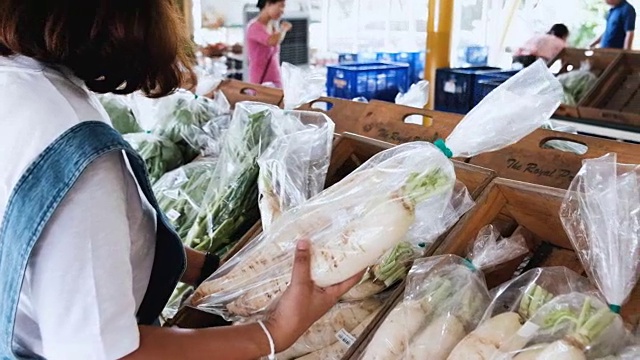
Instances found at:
x=264 y=36
x=621 y=24
x=546 y=46
x=87 y=259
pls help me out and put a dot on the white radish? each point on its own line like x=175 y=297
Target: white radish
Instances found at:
x=392 y=338
x=483 y=343
x=437 y=340
x=561 y=350
x=322 y=333
x=530 y=353
x=363 y=290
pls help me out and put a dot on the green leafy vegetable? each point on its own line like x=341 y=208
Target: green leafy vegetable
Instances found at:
x=159 y=154
x=121 y=113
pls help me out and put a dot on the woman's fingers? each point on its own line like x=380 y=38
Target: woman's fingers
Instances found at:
x=302 y=263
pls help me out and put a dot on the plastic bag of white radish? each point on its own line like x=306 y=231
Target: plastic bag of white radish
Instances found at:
x=294 y=166
x=512 y=304
x=601 y=215
x=444 y=298
x=399 y=194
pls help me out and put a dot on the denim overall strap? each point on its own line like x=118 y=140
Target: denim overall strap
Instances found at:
x=40 y=191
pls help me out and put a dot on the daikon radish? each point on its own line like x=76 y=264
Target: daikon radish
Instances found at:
x=322 y=333
x=337 y=350
x=438 y=339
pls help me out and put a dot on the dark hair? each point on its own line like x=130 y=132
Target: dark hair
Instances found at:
x=262 y=3
x=559 y=30
x=117 y=46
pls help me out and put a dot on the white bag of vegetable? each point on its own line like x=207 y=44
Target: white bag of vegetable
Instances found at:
x=444 y=298
x=601 y=215
x=294 y=166
x=388 y=199
x=512 y=304
x=301 y=86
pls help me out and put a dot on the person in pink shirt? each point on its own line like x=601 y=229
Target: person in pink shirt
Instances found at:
x=264 y=36
x=546 y=46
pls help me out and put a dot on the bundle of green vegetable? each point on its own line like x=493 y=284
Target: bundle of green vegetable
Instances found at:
x=120 y=110
x=180 y=115
x=159 y=154
x=445 y=297
x=601 y=215
x=181 y=192
x=576 y=84
x=501 y=330
x=387 y=200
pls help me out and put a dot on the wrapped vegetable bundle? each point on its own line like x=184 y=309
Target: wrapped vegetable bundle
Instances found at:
x=577 y=83
x=445 y=297
x=601 y=215
x=563 y=145
x=390 y=198
x=181 y=193
x=160 y=154
x=121 y=113
x=512 y=305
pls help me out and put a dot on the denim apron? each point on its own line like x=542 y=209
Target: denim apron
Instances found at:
x=36 y=196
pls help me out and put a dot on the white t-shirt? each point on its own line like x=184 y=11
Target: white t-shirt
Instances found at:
x=90 y=269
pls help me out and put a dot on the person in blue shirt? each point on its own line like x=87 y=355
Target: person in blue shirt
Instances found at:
x=621 y=24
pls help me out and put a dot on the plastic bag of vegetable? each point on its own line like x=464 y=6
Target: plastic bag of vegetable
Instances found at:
x=418 y=97
x=444 y=298
x=601 y=215
x=301 y=86
x=121 y=112
x=181 y=192
x=512 y=304
x=388 y=199
x=159 y=154
x=577 y=83
x=564 y=145
x=208 y=139
x=294 y=166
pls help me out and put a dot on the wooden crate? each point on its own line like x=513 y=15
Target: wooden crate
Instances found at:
x=386 y=121
x=344 y=113
x=616 y=97
x=571 y=59
x=528 y=161
x=349 y=152
x=237 y=91
x=510 y=205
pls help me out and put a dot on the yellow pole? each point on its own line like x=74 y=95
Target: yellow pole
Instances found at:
x=439 y=24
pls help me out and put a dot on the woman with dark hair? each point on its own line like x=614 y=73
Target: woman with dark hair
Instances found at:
x=264 y=36
x=87 y=259
x=546 y=46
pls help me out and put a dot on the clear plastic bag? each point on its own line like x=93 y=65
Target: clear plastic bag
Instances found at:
x=444 y=298
x=159 y=154
x=301 y=86
x=567 y=146
x=121 y=112
x=417 y=96
x=399 y=194
x=294 y=166
x=501 y=329
x=577 y=83
x=208 y=139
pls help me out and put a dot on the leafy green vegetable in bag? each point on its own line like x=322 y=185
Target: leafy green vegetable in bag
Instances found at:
x=159 y=154
x=576 y=84
x=120 y=112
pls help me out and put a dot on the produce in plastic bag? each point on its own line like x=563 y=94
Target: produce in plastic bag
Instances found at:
x=294 y=166
x=181 y=192
x=567 y=146
x=418 y=97
x=445 y=297
x=577 y=83
x=601 y=215
x=121 y=113
x=208 y=139
x=512 y=304
x=628 y=353
x=301 y=86
x=159 y=154
x=341 y=320
x=388 y=199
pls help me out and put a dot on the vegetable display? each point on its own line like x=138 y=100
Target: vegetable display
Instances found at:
x=576 y=84
x=120 y=110
x=444 y=298
x=391 y=198
x=159 y=154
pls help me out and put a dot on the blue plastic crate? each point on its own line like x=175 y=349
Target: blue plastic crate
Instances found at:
x=479 y=91
x=476 y=55
x=455 y=88
x=350 y=58
x=484 y=87
x=415 y=59
x=380 y=81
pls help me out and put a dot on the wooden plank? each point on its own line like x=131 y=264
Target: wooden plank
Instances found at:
x=238 y=91
x=344 y=113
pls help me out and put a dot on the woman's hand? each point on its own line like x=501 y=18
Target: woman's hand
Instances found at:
x=285 y=26
x=303 y=303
